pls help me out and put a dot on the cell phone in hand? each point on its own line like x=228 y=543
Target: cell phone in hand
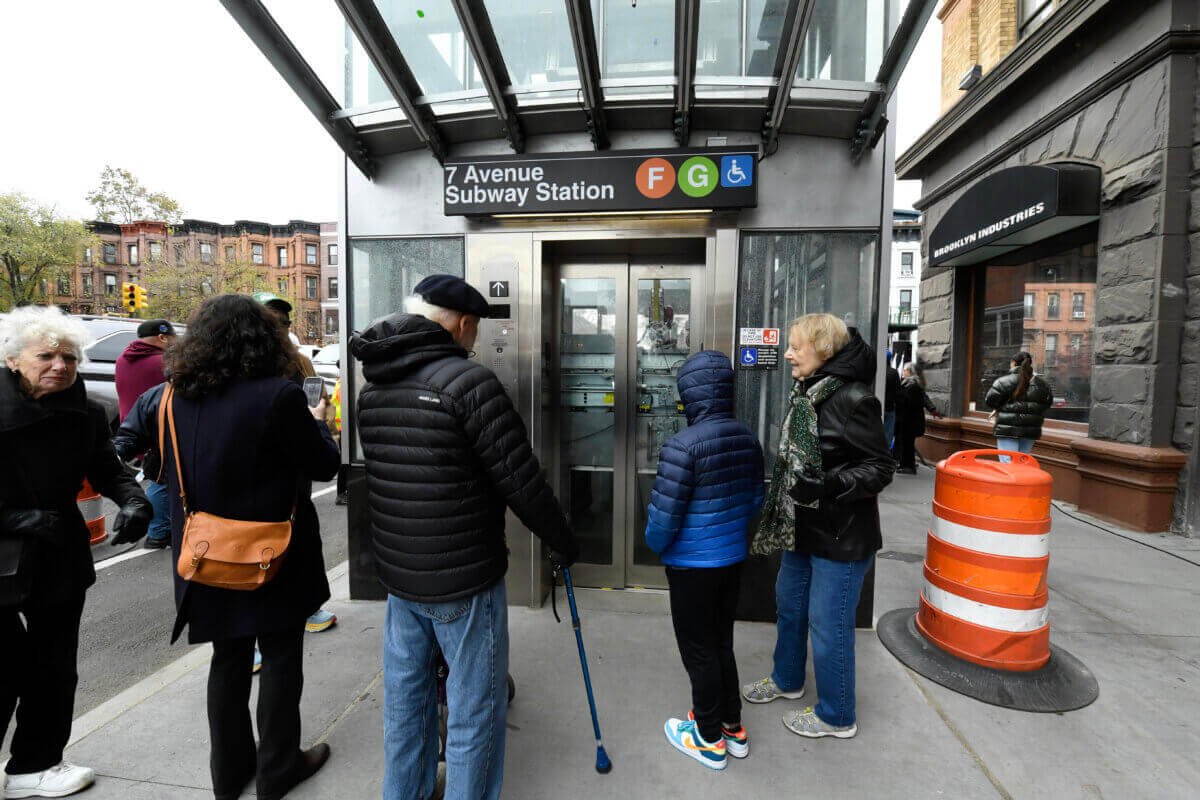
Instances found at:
x=313 y=389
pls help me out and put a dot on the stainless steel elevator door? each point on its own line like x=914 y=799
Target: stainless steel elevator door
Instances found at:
x=621 y=332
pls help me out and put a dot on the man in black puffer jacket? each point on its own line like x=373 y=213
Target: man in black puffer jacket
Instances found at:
x=445 y=453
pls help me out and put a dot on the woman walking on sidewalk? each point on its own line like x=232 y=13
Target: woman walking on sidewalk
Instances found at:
x=708 y=490
x=1020 y=400
x=248 y=444
x=822 y=512
x=51 y=437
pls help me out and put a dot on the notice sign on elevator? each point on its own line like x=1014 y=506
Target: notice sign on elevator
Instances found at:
x=652 y=180
x=758 y=348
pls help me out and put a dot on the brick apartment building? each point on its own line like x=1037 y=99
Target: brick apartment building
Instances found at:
x=291 y=256
x=330 y=325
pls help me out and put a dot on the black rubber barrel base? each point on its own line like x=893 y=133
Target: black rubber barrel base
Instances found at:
x=1063 y=684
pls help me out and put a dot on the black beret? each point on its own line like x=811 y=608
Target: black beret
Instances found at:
x=447 y=291
x=153 y=327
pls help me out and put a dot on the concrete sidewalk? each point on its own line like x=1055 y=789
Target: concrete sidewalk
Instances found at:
x=1128 y=610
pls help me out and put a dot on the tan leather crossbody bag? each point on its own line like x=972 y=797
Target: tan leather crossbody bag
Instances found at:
x=221 y=552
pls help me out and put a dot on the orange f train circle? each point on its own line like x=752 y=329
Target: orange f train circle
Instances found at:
x=655 y=178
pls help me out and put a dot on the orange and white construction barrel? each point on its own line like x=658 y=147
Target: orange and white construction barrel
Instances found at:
x=92 y=509
x=984 y=597
x=982 y=627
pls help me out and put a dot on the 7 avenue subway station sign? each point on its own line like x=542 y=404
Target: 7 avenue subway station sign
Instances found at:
x=652 y=180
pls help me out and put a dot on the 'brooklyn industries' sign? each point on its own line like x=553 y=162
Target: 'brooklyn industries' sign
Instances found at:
x=658 y=180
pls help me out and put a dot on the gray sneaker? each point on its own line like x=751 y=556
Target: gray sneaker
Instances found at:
x=807 y=723
x=765 y=691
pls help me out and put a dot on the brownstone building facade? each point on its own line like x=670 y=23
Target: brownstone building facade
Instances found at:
x=289 y=254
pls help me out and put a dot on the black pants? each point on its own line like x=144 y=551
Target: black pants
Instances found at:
x=702 y=607
x=38 y=679
x=906 y=447
x=234 y=759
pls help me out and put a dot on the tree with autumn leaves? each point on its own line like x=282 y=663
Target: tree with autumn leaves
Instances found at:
x=37 y=248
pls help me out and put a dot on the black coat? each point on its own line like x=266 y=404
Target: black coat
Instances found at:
x=912 y=403
x=49 y=446
x=891 y=387
x=446 y=451
x=1019 y=419
x=248 y=453
x=854 y=454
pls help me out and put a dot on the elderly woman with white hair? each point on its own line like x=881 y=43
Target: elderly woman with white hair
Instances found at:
x=822 y=512
x=52 y=438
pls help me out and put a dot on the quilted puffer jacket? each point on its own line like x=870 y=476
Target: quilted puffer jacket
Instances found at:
x=710 y=475
x=445 y=453
x=1019 y=419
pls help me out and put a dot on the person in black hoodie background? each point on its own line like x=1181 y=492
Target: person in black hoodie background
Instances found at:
x=445 y=453
x=822 y=511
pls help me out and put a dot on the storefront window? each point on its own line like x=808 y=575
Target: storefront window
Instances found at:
x=1022 y=311
x=787 y=275
x=383 y=273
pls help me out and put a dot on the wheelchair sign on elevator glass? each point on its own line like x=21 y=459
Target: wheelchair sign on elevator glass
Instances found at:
x=708 y=178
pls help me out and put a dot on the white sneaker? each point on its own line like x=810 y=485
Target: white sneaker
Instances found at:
x=58 y=781
x=765 y=691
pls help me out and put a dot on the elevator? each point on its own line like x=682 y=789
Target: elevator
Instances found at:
x=618 y=326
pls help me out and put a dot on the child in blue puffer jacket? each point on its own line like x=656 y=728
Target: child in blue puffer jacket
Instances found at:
x=709 y=488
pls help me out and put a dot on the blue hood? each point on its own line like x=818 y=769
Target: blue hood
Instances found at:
x=705 y=383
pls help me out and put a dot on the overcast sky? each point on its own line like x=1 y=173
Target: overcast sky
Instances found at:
x=177 y=94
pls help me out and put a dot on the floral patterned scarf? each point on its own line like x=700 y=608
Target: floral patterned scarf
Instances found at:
x=799 y=446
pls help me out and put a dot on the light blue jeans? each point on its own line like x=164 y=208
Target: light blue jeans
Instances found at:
x=160 y=499
x=819 y=596
x=1015 y=445
x=473 y=636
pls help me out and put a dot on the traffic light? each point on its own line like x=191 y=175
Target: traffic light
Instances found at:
x=133 y=297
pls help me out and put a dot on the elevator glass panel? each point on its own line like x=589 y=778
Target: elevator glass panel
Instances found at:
x=663 y=343
x=588 y=353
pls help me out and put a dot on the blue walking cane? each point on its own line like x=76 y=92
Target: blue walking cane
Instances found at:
x=603 y=764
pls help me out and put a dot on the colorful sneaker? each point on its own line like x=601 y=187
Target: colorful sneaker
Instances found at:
x=737 y=741
x=807 y=723
x=257 y=661
x=765 y=691
x=58 y=781
x=320 y=621
x=684 y=737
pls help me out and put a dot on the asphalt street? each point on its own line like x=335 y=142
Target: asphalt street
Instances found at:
x=127 y=621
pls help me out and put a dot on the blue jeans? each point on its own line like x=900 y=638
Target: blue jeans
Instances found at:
x=821 y=595
x=889 y=427
x=473 y=636
x=160 y=499
x=1015 y=445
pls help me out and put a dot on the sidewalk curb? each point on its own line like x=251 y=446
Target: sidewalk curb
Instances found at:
x=108 y=711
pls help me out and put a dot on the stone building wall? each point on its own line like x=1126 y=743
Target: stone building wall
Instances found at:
x=1146 y=356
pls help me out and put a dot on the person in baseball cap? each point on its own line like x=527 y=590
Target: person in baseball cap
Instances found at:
x=447 y=453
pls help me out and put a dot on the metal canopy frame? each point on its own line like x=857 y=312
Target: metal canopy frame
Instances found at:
x=687 y=35
x=874 y=119
x=481 y=39
x=832 y=111
x=271 y=40
x=372 y=32
x=787 y=61
x=587 y=57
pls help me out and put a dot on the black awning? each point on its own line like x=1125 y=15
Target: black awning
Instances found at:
x=1013 y=208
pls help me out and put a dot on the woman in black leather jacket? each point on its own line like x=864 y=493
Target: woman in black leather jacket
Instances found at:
x=1020 y=400
x=822 y=512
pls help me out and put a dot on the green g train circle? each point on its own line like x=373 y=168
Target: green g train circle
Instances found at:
x=698 y=176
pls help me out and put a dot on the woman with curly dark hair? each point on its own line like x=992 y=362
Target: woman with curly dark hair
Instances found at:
x=247 y=444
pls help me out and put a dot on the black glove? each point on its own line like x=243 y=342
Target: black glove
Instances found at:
x=565 y=558
x=808 y=489
x=28 y=521
x=132 y=521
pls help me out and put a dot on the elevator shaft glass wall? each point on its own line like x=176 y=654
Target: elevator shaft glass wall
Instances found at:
x=620 y=332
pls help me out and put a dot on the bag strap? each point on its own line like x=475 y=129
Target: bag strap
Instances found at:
x=169 y=401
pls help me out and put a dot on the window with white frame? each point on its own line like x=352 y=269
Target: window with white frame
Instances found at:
x=1078 y=305
x=256 y=253
x=282 y=253
x=310 y=255
x=906 y=264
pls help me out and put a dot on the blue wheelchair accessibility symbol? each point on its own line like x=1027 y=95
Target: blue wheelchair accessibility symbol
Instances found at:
x=737 y=171
x=749 y=356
